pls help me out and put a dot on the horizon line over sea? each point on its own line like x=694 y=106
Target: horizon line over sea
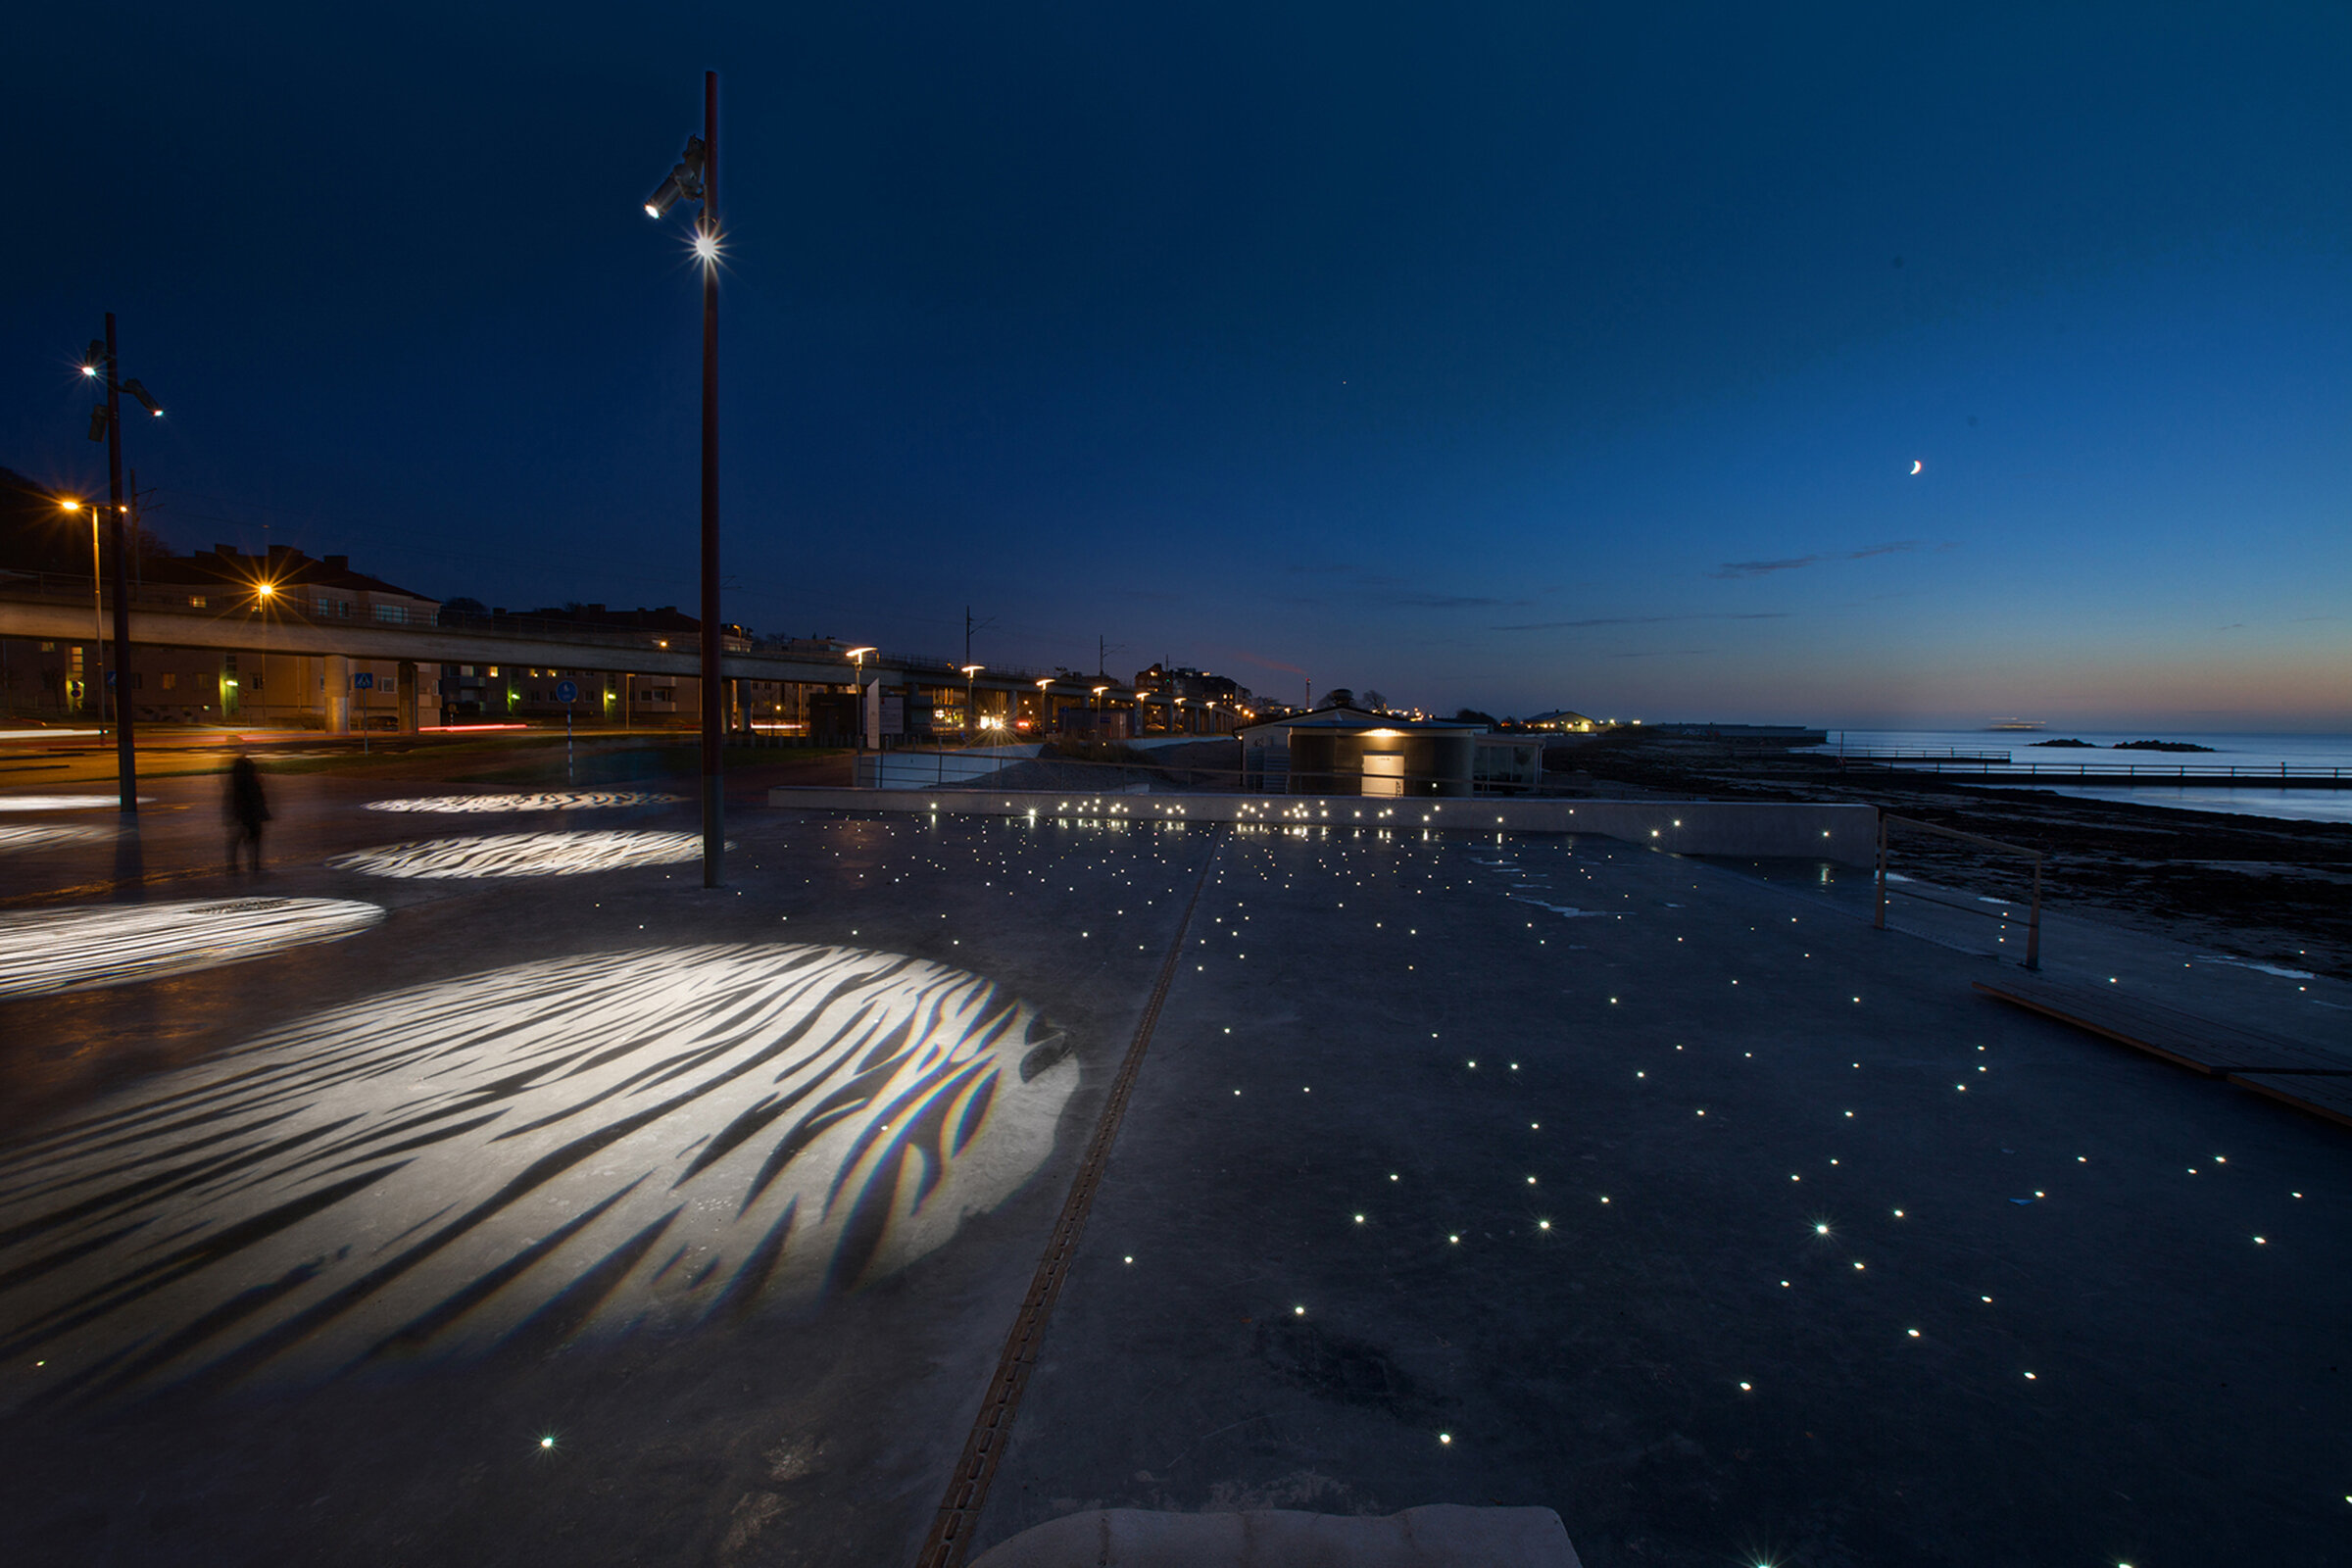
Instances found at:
x=2258 y=750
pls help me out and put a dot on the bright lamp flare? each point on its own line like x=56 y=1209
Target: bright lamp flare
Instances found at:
x=706 y=248
x=517 y=1160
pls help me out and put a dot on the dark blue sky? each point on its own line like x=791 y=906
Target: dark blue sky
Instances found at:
x=1519 y=356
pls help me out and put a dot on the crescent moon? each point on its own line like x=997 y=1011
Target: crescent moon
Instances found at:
x=1916 y=464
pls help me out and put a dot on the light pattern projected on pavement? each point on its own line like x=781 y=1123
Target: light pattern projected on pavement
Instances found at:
x=65 y=802
x=579 y=1146
x=47 y=950
x=537 y=800
x=23 y=836
x=525 y=855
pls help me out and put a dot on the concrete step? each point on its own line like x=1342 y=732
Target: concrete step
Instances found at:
x=2202 y=1045
x=1439 y=1535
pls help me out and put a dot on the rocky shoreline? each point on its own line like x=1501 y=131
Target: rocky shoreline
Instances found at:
x=2265 y=889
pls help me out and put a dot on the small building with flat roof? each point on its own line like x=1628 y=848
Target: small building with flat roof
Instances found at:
x=1345 y=751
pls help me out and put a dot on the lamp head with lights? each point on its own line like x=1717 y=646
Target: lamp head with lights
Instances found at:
x=684 y=181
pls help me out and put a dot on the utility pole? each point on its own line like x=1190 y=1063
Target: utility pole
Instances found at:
x=970 y=627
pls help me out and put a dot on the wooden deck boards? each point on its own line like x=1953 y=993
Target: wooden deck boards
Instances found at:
x=2304 y=1076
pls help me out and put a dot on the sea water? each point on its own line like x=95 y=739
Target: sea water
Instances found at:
x=2242 y=751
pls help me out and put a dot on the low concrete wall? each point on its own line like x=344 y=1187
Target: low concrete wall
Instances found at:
x=1846 y=834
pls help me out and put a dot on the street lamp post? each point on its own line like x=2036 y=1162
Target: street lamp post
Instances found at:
x=696 y=178
x=97 y=617
x=106 y=421
x=970 y=711
x=856 y=657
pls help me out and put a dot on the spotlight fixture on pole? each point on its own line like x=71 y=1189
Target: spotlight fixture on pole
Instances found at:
x=856 y=658
x=97 y=614
x=695 y=178
x=969 y=711
x=106 y=424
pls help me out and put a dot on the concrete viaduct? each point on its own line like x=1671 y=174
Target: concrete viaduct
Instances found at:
x=54 y=617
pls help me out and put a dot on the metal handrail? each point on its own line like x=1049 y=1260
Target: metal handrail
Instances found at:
x=1990 y=763
x=1887 y=821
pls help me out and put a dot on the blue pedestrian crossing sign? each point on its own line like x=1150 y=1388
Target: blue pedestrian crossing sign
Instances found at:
x=567 y=691
x=364 y=682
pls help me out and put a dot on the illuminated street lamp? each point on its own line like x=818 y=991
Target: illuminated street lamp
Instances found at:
x=106 y=424
x=856 y=657
x=695 y=178
x=970 y=705
x=97 y=608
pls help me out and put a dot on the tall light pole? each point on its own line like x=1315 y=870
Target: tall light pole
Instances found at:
x=970 y=711
x=695 y=178
x=97 y=613
x=857 y=658
x=106 y=421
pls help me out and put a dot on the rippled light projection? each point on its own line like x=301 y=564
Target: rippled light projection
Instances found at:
x=579 y=1146
x=19 y=836
x=540 y=801
x=49 y=950
x=525 y=854
x=65 y=802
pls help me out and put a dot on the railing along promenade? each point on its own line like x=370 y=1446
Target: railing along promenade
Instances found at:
x=1999 y=768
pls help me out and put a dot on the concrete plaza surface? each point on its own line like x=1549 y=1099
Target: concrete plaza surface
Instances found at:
x=1466 y=1169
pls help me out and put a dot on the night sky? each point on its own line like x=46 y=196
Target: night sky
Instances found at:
x=1522 y=356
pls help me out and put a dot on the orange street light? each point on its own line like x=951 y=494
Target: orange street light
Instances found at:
x=97 y=603
x=856 y=657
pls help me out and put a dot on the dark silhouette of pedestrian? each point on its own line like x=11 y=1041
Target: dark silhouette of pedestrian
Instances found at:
x=246 y=808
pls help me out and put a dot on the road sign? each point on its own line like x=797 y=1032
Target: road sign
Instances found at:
x=364 y=682
x=567 y=691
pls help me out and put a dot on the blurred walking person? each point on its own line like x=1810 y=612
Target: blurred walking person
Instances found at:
x=246 y=808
